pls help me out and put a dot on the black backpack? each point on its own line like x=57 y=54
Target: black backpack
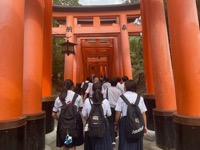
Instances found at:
x=70 y=121
x=134 y=119
x=96 y=121
x=84 y=88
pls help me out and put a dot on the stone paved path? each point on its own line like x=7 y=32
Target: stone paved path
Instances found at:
x=149 y=142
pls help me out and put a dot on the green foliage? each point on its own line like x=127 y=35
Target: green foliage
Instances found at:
x=137 y=62
x=57 y=58
x=66 y=2
x=198 y=8
x=136 y=55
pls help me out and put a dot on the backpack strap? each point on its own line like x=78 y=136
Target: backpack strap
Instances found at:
x=107 y=94
x=74 y=98
x=137 y=100
x=63 y=102
x=62 y=96
x=96 y=104
x=127 y=102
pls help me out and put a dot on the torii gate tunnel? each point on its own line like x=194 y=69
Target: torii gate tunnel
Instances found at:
x=102 y=33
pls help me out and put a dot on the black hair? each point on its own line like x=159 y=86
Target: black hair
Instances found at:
x=88 y=78
x=113 y=81
x=130 y=85
x=97 y=96
x=106 y=79
x=118 y=79
x=124 y=78
x=68 y=84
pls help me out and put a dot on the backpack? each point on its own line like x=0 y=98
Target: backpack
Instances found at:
x=70 y=121
x=134 y=119
x=96 y=121
x=84 y=88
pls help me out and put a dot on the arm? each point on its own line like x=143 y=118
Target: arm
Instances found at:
x=145 y=121
x=85 y=117
x=85 y=96
x=117 y=117
x=55 y=116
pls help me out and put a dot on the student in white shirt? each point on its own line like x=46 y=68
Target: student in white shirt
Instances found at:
x=121 y=85
x=120 y=117
x=67 y=94
x=106 y=83
x=92 y=143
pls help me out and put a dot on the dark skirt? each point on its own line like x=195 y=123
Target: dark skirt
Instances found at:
x=124 y=142
x=104 y=143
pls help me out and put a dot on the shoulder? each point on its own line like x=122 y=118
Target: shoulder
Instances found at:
x=105 y=102
x=87 y=102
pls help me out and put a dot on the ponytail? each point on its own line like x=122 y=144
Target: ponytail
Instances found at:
x=97 y=95
x=68 y=84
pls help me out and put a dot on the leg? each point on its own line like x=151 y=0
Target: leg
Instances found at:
x=65 y=148
x=111 y=125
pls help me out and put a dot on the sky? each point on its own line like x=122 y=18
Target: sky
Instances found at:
x=100 y=2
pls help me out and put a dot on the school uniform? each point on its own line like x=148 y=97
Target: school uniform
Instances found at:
x=120 y=86
x=86 y=81
x=92 y=143
x=124 y=143
x=90 y=90
x=106 y=85
x=57 y=109
x=112 y=94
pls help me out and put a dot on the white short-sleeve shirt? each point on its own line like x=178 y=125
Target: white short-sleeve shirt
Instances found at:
x=68 y=99
x=120 y=86
x=131 y=96
x=89 y=89
x=106 y=85
x=87 y=107
x=113 y=95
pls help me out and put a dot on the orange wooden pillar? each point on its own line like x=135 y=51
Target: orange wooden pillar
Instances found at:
x=116 y=63
x=69 y=60
x=149 y=96
x=125 y=49
x=12 y=124
x=47 y=97
x=78 y=58
x=47 y=50
x=162 y=74
x=146 y=52
x=32 y=74
x=184 y=35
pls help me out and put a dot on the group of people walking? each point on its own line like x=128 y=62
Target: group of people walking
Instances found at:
x=104 y=112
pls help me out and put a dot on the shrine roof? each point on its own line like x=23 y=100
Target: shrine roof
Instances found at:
x=96 y=8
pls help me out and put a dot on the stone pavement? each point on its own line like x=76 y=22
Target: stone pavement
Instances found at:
x=149 y=141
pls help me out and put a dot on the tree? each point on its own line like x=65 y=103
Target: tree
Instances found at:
x=57 y=58
x=137 y=62
x=198 y=8
x=67 y=2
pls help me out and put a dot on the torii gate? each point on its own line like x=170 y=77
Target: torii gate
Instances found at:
x=25 y=64
x=101 y=32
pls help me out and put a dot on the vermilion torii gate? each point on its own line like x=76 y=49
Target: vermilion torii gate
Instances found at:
x=25 y=64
